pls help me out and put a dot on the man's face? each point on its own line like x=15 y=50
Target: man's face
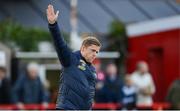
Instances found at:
x=33 y=73
x=90 y=52
x=144 y=68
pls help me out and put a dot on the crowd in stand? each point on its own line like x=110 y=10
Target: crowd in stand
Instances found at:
x=135 y=89
x=28 y=88
x=131 y=90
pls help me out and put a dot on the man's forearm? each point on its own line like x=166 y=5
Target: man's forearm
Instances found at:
x=62 y=49
x=57 y=37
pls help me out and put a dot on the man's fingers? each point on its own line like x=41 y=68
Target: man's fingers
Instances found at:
x=50 y=6
x=57 y=13
x=48 y=13
x=51 y=9
x=51 y=15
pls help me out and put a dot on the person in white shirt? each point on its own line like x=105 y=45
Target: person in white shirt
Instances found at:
x=142 y=79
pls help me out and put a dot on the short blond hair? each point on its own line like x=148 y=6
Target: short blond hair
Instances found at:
x=90 y=40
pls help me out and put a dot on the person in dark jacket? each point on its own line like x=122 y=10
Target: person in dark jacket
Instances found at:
x=77 y=81
x=128 y=94
x=112 y=84
x=28 y=88
x=5 y=97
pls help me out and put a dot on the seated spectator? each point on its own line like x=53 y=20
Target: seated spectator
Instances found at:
x=28 y=88
x=173 y=96
x=5 y=97
x=112 y=84
x=128 y=94
x=142 y=79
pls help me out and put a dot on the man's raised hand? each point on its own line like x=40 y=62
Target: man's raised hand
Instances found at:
x=51 y=15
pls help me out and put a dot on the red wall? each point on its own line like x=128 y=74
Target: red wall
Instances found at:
x=161 y=51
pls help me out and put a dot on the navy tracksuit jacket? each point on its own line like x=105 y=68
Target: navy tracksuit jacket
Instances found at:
x=77 y=81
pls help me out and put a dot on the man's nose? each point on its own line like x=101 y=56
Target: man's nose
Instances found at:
x=95 y=54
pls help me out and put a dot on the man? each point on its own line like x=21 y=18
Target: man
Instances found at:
x=77 y=81
x=112 y=84
x=4 y=87
x=28 y=88
x=142 y=79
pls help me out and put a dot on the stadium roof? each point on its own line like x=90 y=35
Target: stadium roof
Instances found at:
x=93 y=15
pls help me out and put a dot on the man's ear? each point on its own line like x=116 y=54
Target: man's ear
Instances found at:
x=81 y=48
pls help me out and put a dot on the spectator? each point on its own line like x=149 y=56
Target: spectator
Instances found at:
x=5 y=97
x=100 y=81
x=28 y=88
x=174 y=94
x=128 y=94
x=112 y=84
x=144 y=83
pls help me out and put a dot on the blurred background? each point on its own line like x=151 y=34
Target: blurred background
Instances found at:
x=138 y=66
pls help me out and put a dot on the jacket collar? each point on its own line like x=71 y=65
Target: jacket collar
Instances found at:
x=79 y=53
